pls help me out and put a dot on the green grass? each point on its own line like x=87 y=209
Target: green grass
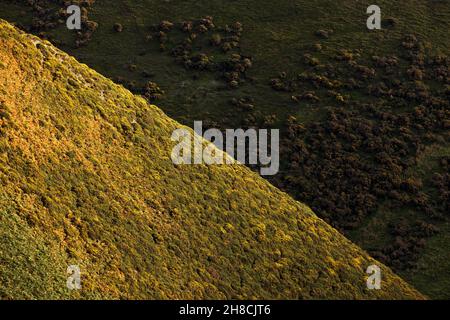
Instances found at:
x=275 y=36
x=430 y=279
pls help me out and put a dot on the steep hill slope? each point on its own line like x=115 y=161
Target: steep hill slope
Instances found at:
x=364 y=115
x=86 y=179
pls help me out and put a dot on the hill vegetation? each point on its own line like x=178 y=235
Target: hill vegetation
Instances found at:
x=86 y=179
x=364 y=115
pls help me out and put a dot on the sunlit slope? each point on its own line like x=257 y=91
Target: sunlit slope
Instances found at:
x=86 y=179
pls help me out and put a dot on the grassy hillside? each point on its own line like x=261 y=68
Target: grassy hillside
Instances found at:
x=364 y=115
x=86 y=179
